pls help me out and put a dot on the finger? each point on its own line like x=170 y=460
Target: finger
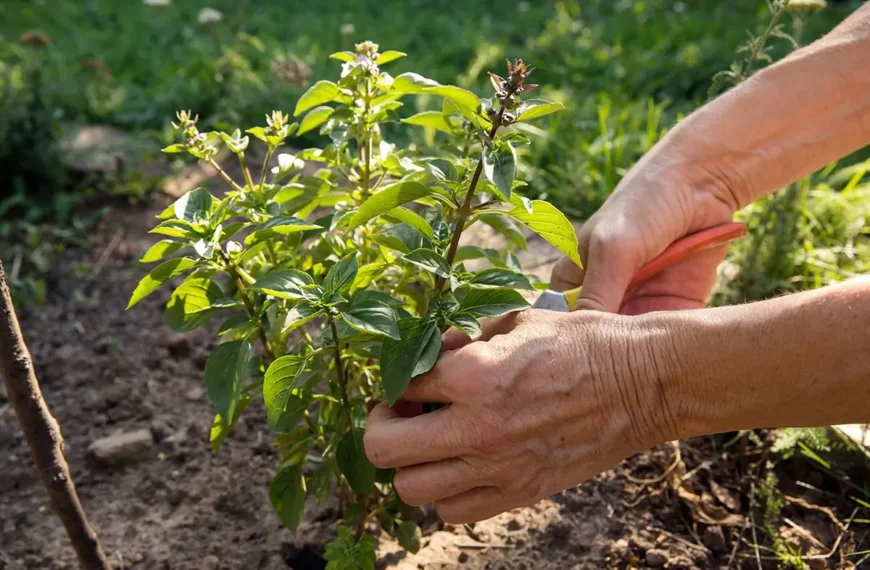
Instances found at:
x=394 y=441
x=609 y=269
x=433 y=386
x=454 y=338
x=475 y=505
x=421 y=484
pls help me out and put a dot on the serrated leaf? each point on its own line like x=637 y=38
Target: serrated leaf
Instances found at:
x=409 y=536
x=315 y=117
x=224 y=372
x=350 y=456
x=412 y=219
x=159 y=250
x=283 y=393
x=387 y=199
x=194 y=302
x=194 y=205
x=340 y=276
x=467 y=323
x=372 y=317
x=430 y=119
x=318 y=94
x=492 y=302
x=552 y=225
x=536 y=108
x=428 y=260
x=279 y=226
x=415 y=353
x=345 y=56
x=388 y=56
x=161 y=274
x=500 y=167
x=286 y=284
x=498 y=278
x=287 y=494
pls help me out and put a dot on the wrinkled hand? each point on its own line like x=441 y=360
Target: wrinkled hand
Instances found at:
x=530 y=414
x=651 y=208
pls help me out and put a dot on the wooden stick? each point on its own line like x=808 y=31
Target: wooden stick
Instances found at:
x=43 y=435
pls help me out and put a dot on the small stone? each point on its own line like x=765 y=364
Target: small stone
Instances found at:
x=195 y=394
x=679 y=562
x=656 y=558
x=621 y=550
x=122 y=448
x=210 y=562
x=714 y=539
x=463 y=557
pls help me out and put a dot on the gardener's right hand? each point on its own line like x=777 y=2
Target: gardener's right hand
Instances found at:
x=662 y=199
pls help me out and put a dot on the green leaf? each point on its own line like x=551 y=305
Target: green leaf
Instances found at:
x=415 y=353
x=194 y=302
x=160 y=250
x=412 y=83
x=283 y=394
x=373 y=317
x=412 y=219
x=428 y=260
x=287 y=494
x=194 y=205
x=161 y=274
x=492 y=302
x=345 y=553
x=409 y=536
x=366 y=274
x=552 y=225
x=286 y=284
x=221 y=428
x=177 y=229
x=506 y=227
x=279 y=226
x=467 y=323
x=343 y=56
x=224 y=372
x=464 y=99
x=318 y=94
x=536 y=108
x=174 y=148
x=387 y=199
x=430 y=119
x=401 y=237
x=315 y=117
x=500 y=167
x=388 y=56
x=340 y=276
x=299 y=315
x=350 y=456
x=498 y=278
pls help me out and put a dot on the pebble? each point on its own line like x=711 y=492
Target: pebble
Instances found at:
x=714 y=539
x=656 y=558
x=194 y=394
x=621 y=550
x=122 y=448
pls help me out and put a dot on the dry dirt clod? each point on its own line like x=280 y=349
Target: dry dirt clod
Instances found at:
x=656 y=558
x=122 y=448
x=714 y=539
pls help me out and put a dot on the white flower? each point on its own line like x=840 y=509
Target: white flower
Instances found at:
x=156 y=2
x=234 y=247
x=204 y=248
x=386 y=149
x=287 y=162
x=347 y=29
x=209 y=16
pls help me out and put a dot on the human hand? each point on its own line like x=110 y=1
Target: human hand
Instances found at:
x=560 y=399
x=651 y=208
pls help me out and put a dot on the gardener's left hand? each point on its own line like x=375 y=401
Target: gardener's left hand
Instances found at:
x=560 y=399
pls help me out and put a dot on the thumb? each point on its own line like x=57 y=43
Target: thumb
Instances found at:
x=609 y=269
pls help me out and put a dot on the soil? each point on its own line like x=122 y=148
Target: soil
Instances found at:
x=105 y=370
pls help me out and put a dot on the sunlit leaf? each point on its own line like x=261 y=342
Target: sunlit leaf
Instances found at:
x=386 y=199
x=318 y=94
x=552 y=225
x=492 y=302
x=535 y=108
x=161 y=274
x=283 y=394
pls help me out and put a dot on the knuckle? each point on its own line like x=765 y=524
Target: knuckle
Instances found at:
x=376 y=450
x=407 y=489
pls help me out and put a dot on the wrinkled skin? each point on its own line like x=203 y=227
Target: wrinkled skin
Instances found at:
x=531 y=413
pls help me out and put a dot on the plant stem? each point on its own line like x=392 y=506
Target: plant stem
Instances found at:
x=249 y=306
x=265 y=166
x=762 y=40
x=465 y=209
x=248 y=179
x=43 y=436
x=342 y=379
x=225 y=176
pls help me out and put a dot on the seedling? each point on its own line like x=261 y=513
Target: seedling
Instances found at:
x=336 y=272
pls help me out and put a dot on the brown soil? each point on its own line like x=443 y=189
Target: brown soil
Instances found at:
x=105 y=370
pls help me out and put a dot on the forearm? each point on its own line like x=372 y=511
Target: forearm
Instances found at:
x=787 y=121
x=802 y=360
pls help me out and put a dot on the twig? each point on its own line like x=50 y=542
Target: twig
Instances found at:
x=107 y=252
x=676 y=463
x=43 y=435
